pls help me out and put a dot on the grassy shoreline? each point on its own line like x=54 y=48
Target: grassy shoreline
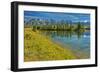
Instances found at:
x=40 y=48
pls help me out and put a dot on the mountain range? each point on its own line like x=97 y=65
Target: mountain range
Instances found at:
x=57 y=17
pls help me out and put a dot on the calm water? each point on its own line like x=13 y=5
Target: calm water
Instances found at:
x=78 y=42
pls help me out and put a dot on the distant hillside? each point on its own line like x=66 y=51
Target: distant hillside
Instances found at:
x=42 y=21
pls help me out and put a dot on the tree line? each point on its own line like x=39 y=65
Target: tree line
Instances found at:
x=38 y=24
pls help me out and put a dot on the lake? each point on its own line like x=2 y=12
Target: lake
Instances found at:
x=78 y=42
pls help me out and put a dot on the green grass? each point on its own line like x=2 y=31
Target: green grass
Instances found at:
x=38 y=47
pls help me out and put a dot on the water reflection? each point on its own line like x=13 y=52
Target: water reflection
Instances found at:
x=79 y=42
x=67 y=34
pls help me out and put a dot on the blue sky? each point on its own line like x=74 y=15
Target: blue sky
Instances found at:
x=75 y=17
